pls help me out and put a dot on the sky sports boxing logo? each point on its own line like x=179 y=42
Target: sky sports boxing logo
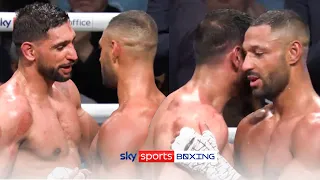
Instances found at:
x=169 y=156
x=6 y=23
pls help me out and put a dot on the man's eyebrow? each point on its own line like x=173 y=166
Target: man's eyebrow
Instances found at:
x=253 y=47
x=63 y=43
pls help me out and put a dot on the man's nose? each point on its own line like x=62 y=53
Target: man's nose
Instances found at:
x=247 y=64
x=72 y=54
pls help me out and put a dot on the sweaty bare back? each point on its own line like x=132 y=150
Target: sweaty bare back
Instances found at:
x=177 y=111
x=37 y=134
x=124 y=131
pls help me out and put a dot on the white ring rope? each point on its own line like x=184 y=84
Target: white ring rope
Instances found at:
x=79 y=21
x=101 y=112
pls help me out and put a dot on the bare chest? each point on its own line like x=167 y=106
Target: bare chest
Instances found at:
x=252 y=149
x=279 y=153
x=55 y=130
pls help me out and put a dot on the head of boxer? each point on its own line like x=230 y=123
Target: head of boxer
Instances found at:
x=128 y=46
x=43 y=36
x=218 y=47
x=277 y=46
x=88 y=5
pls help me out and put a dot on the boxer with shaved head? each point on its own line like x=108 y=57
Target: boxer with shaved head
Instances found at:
x=128 y=47
x=285 y=145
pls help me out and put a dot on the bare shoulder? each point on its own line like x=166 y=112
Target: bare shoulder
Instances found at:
x=259 y=119
x=16 y=115
x=185 y=111
x=128 y=128
x=69 y=90
x=12 y=99
x=306 y=139
x=308 y=126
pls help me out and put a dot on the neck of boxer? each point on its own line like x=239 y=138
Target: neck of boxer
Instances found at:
x=297 y=95
x=211 y=85
x=136 y=81
x=35 y=85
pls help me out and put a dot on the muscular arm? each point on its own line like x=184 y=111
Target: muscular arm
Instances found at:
x=89 y=127
x=14 y=125
x=305 y=150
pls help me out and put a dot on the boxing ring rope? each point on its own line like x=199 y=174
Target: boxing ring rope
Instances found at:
x=94 y=22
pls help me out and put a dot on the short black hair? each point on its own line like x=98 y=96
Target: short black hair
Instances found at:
x=220 y=30
x=34 y=21
x=284 y=19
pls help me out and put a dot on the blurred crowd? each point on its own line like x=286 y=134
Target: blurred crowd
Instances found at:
x=176 y=20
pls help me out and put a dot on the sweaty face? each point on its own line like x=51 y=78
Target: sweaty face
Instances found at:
x=88 y=5
x=265 y=63
x=56 y=54
x=109 y=76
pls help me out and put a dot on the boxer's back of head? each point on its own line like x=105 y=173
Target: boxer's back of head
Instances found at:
x=220 y=31
x=136 y=29
x=34 y=21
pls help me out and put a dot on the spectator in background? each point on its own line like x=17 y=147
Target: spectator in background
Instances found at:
x=125 y=5
x=122 y=5
x=159 y=11
x=272 y=4
x=86 y=74
x=308 y=10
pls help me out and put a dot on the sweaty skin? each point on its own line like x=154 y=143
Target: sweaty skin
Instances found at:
x=268 y=148
x=37 y=135
x=251 y=142
x=125 y=131
x=286 y=144
x=183 y=108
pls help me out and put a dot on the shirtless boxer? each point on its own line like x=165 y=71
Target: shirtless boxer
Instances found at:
x=288 y=142
x=42 y=123
x=217 y=78
x=284 y=145
x=128 y=47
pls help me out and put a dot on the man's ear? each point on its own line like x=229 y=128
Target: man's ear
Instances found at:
x=115 y=51
x=295 y=52
x=237 y=58
x=28 y=51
